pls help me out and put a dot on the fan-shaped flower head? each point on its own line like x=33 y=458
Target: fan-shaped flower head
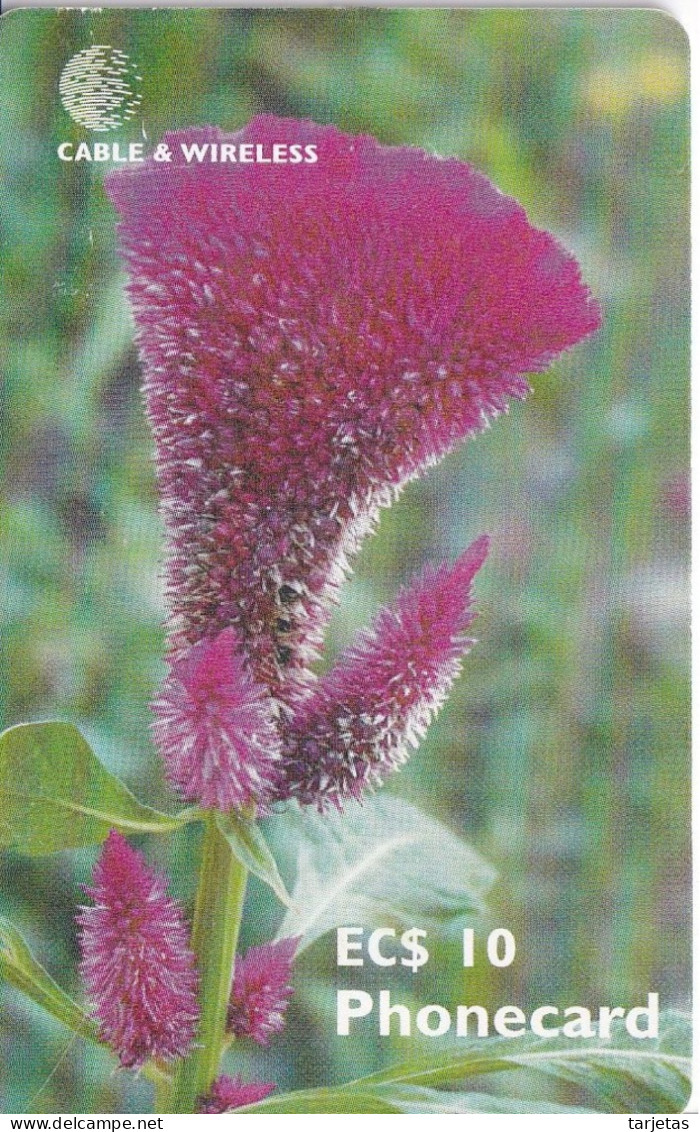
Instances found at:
x=314 y=335
x=228 y=1093
x=381 y=695
x=136 y=964
x=216 y=728
x=261 y=991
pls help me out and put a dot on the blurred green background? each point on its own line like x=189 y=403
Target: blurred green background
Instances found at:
x=563 y=754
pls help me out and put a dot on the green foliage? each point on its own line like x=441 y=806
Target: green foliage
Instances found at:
x=325 y=1100
x=248 y=843
x=19 y=968
x=416 y=1099
x=409 y=1099
x=618 y=1075
x=57 y=795
x=382 y=862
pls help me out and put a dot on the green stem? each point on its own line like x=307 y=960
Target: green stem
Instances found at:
x=217 y=919
x=161 y=1094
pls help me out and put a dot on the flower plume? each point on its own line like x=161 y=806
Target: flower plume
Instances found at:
x=215 y=727
x=314 y=336
x=228 y=1093
x=261 y=991
x=381 y=695
x=136 y=964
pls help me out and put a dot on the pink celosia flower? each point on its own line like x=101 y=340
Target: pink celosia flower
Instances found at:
x=228 y=1093
x=314 y=335
x=261 y=991
x=136 y=964
x=215 y=727
x=381 y=695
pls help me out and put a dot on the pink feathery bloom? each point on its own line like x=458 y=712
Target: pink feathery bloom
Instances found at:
x=228 y=1093
x=261 y=991
x=380 y=697
x=216 y=727
x=314 y=334
x=136 y=965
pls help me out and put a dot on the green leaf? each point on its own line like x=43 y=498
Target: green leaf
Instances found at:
x=619 y=1074
x=379 y=863
x=323 y=1100
x=250 y=847
x=21 y=970
x=19 y=967
x=408 y=1099
x=55 y=793
x=415 y=1099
